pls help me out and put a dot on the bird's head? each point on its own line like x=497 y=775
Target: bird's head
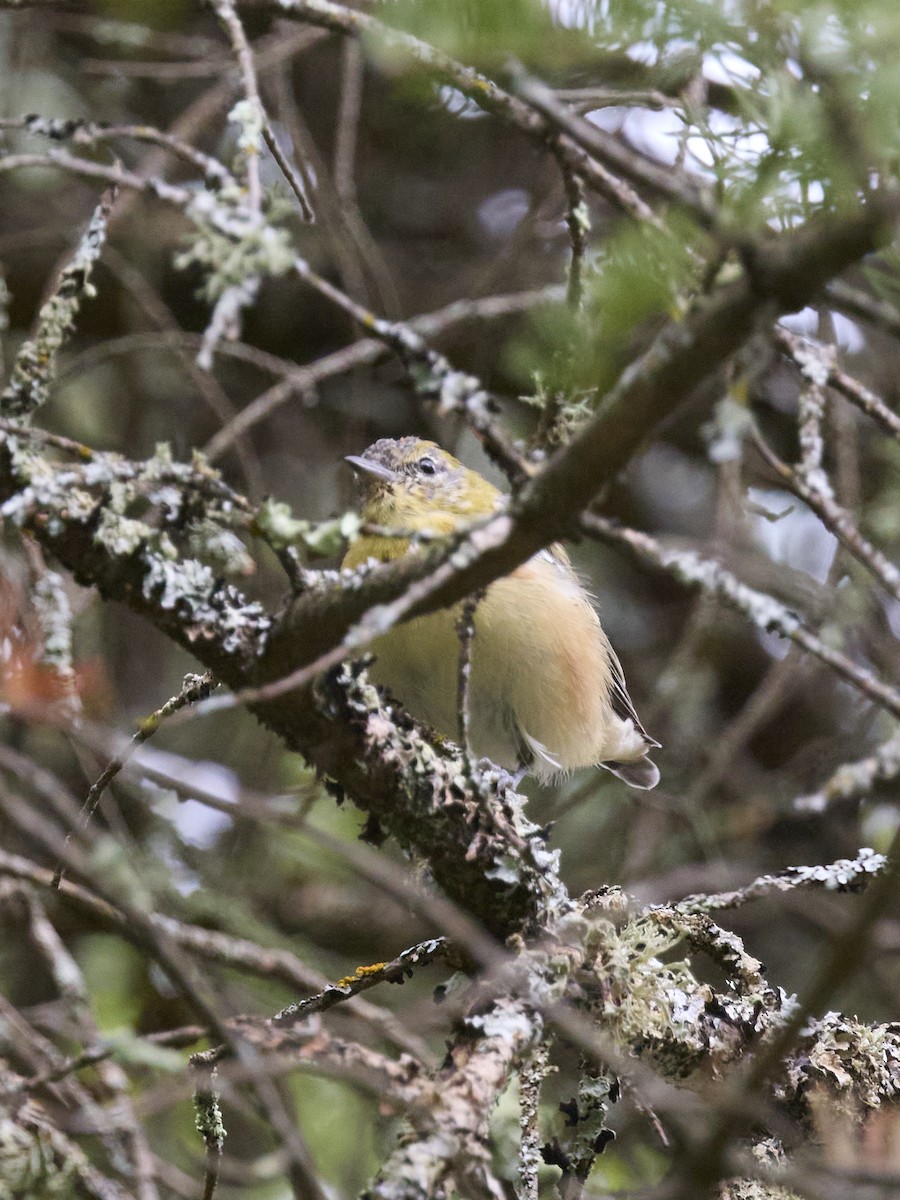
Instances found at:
x=409 y=484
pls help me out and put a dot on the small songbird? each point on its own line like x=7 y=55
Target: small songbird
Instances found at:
x=546 y=690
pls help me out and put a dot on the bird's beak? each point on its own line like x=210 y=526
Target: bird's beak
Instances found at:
x=366 y=467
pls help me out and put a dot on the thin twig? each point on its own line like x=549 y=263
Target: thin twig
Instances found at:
x=814 y=357
x=763 y=610
x=194 y=689
x=465 y=631
x=363 y=978
x=845 y=875
x=813 y=489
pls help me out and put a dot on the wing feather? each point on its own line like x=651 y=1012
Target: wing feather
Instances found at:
x=622 y=702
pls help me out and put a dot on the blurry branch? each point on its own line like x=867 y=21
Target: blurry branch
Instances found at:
x=85 y=168
x=860 y=304
x=853 y=780
x=765 y=612
x=845 y=875
x=363 y=978
x=194 y=688
x=302 y=379
x=214 y=946
x=397 y=1083
x=659 y=180
x=811 y=484
x=35 y=366
x=490 y=97
x=89 y=133
x=587 y=99
x=819 y=363
x=108 y=31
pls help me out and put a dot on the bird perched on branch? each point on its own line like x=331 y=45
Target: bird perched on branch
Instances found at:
x=546 y=690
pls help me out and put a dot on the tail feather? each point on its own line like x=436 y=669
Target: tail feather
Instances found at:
x=643 y=774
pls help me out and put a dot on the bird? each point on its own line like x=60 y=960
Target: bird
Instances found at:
x=546 y=691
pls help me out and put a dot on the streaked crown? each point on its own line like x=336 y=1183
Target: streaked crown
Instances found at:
x=406 y=483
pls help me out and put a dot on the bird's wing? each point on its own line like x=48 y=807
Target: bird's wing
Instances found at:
x=622 y=703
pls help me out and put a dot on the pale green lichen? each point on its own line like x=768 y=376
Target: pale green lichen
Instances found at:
x=323 y=539
x=209 y=608
x=581 y=215
x=658 y=1007
x=732 y=421
x=232 y=246
x=36 y=1162
x=769 y=1158
x=122 y=536
x=250 y=119
x=507 y=1023
x=54 y=613
x=208 y=1118
x=220 y=547
x=35 y=366
x=54 y=493
x=859 y=1064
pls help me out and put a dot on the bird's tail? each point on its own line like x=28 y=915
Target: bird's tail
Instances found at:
x=643 y=774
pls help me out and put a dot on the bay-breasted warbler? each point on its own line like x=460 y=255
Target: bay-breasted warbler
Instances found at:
x=546 y=690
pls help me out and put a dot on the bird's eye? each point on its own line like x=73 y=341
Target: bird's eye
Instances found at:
x=427 y=465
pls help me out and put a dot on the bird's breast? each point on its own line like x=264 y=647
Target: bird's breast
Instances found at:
x=540 y=677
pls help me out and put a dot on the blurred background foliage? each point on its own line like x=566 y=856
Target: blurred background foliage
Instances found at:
x=443 y=202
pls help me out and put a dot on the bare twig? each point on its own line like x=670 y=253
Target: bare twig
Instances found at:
x=813 y=487
x=813 y=358
x=194 y=689
x=854 y=779
x=363 y=978
x=465 y=630
x=763 y=610
x=845 y=875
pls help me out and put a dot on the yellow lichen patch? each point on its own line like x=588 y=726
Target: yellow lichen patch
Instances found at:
x=373 y=969
x=360 y=973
